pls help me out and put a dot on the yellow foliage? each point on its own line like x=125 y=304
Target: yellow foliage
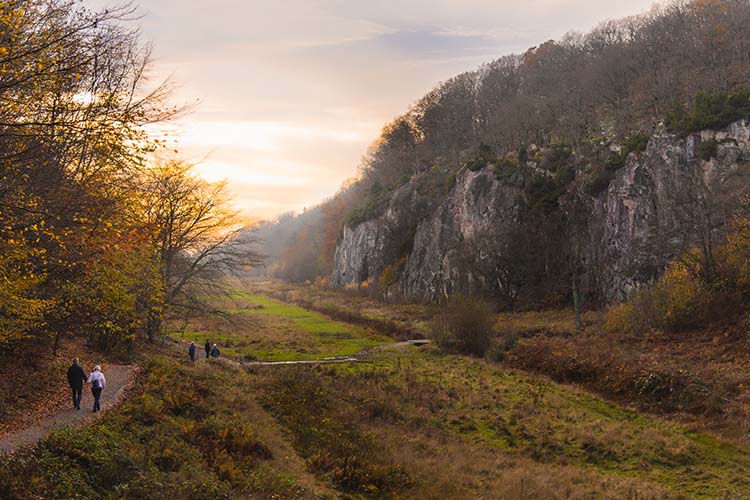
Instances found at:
x=735 y=256
x=678 y=301
x=390 y=274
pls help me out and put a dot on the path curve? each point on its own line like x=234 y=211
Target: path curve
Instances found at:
x=356 y=358
x=119 y=379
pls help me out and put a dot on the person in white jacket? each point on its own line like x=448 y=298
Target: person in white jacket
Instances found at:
x=98 y=383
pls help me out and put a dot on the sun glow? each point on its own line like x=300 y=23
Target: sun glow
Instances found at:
x=260 y=136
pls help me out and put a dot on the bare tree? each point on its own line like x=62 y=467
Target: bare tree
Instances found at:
x=198 y=238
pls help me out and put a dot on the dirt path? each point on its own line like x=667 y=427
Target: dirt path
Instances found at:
x=360 y=356
x=119 y=378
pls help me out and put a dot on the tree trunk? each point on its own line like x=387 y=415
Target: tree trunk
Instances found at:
x=153 y=326
x=56 y=344
x=576 y=300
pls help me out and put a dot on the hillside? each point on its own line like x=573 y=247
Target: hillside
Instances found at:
x=580 y=167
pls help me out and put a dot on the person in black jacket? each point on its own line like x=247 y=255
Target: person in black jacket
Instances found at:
x=191 y=352
x=208 y=348
x=76 y=378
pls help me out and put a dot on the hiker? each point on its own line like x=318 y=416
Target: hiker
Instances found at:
x=191 y=352
x=76 y=378
x=98 y=383
x=214 y=351
x=208 y=348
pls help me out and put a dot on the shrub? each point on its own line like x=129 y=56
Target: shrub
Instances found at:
x=708 y=110
x=464 y=325
x=677 y=302
x=390 y=274
x=476 y=164
x=735 y=258
x=360 y=215
x=636 y=142
x=555 y=157
x=542 y=193
x=599 y=181
x=707 y=150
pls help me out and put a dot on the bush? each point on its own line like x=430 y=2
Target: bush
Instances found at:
x=636 y=142
x=556 y=156
x=599 y=182
x=360 y=215
x=709 y=110
x=390 y=274
x=707 y=150
x=464 y=325
x=678 y=302
x=476 y=164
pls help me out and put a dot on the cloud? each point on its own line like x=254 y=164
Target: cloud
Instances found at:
x=293 y=92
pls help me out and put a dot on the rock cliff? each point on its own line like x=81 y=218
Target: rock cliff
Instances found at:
x=365 y=249
x=651 y=207
x=637 y=223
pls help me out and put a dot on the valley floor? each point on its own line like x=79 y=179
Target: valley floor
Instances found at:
x=408 y=422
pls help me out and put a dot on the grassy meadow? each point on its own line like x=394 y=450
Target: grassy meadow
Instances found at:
x=418 y=424
x=405 y=423
x=251 y=326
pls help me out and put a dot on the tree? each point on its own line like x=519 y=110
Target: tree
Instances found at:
x=72 y=109
x=197 y=239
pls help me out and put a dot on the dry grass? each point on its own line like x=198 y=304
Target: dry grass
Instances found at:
x=467 y=429
x=699 y=377
x=428 y=426
x=552 y=322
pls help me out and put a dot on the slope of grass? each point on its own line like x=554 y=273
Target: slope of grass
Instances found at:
x=428 y=400
x=265 y=329
x=180 y=436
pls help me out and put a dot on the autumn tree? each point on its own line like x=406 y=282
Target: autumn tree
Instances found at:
x=197 y=238
x=73 y=103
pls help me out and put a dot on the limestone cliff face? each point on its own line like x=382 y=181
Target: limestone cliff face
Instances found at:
x=367 y=248
x=650 y=205
x=638 y=223
x=449 y=253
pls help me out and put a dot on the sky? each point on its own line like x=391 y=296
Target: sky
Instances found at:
x=286 y=95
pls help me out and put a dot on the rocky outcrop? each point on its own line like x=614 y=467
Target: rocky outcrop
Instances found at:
x=642 y=220
x=367 y=248
x=650 y=211
x=449 y=253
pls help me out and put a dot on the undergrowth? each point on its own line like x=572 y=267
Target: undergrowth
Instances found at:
x=181 y=435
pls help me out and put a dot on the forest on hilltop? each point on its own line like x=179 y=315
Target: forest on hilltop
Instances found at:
x=555 y=123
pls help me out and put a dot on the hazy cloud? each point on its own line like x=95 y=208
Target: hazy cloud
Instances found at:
x=292 y=92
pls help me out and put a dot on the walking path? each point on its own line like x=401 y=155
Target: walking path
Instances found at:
x=119 y=378
x=360 y=356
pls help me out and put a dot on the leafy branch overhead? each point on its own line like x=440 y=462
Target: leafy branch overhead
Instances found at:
x=84 y=241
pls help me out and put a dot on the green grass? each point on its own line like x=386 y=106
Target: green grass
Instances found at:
x=394 y=426
x=277 y=331
x=527 y=417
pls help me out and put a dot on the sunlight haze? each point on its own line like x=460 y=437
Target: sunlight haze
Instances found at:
x=290 y=94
